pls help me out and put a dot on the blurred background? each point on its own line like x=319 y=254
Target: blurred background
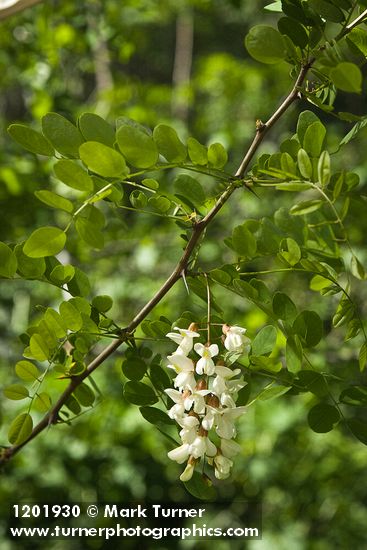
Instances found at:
x=183 y=63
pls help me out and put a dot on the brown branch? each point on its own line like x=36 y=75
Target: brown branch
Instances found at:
x=264 y=127
x=53 y=415
x=16 y=7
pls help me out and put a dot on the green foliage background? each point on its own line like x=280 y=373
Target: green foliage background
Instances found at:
x=117 y=60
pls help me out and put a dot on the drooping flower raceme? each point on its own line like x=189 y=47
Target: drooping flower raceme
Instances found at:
x=204 y=403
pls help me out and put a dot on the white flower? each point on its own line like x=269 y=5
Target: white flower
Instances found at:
x=180 y=454
x=202 y=446
x=222 y=466
x=229 y=448
x=223 y=419
x=185 y=371
x=205 y=365
x=189 y=430
x=208 y=420
x=178 y=409
x=184 y=340
x=188 y=471
x=223 y=374
x=235 y=339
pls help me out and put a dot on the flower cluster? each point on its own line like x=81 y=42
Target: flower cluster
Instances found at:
x=205 y=400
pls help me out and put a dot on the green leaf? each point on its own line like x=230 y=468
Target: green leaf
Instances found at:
x=31 y=140
x=357 y=268
x=189 y=188
x=39 y=348
x=54 y=200
x=138 y=199
x=347 y=77
x=323 y=168
x=309 y=328
x=363 y=357
x=162 y=204
x=287 y=164
x=243 y=288
x=102 y=303
x=290 y=251
x=20 y=429
x=265 y=44
x=305 y=119
x=155 y=416
x=284 y=308
x=293 y=186
x=306 y=207
x=322 y=417
x=16 y=392
x=89 y=233
x=200 y=487
x=8 y=261
x=73 y=175
x=29 y=268
x=73 y=405
x=102 y=160
x=304 y=164
x=217 y=155
x=27 y=371
x=95 y=128
x=62 y=274
x=84 y=394
x=139 y=394
x=137 y=146
x=63 y=135
x=274 y=6
x=150 y=183
x=312 y=381
x=79 y=284
x=265 y=340
x=244 y=395
x=327 y=10
x=45 y=241
x=318 y=282
x=42 y=402
x=358 y=429
x=221 y=277
x=272 y=392
x=169 y=144
x=243 y=241
x=134 y=368
x=294 y=30
x=358 y=37
x=158 y=377
x=55 y=323
x=198 y=153
x=70 y=316
x=314 y=138
x=354 y=395
x=293 y=353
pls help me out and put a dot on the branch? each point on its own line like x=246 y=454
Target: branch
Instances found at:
x=14 y=6
x=264 y=127
x=52 y=416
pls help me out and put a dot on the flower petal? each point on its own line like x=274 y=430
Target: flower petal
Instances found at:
x=180 y=454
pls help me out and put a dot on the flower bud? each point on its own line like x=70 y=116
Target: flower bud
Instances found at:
x=225 y=328
x=201 y=385
x=212 y=400
x=194 y=327
x=202 y=432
